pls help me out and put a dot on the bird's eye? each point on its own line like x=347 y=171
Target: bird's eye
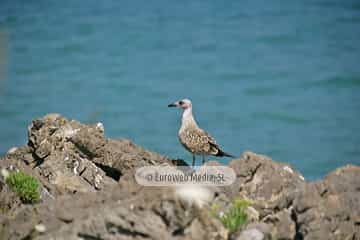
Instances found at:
x=181 y=102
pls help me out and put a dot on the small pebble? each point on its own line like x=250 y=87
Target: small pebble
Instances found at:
x=288 y=169
x=4 y=173
x=100 y=126
x=12 y=150
x=40 y=228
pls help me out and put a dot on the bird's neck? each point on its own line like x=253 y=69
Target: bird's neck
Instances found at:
x=188 y=119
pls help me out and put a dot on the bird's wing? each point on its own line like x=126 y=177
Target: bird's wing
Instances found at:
x=206 y=137
x=209 y=143
x=198 y=141
x=212 y=147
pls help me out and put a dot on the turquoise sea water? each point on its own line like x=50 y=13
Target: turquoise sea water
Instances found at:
x=276 y=77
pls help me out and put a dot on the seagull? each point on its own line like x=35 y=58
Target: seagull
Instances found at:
x=193 y=138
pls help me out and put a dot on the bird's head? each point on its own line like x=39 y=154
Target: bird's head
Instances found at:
x=184 y=104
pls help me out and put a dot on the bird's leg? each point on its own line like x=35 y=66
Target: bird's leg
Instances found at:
x=193 y=163
x=203 y=160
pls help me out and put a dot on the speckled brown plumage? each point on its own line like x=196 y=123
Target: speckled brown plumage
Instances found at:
x=194 y=139
x=198 y=142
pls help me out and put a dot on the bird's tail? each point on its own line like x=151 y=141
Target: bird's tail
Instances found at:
x=224 y=154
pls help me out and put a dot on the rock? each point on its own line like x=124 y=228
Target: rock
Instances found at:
x=4 y=173
x=262 y=227
x=123 y=155
x=75 y=157
x=89 y=140
x=329 y=209
x=12 y=150
x=271 y=187
x=127 y=211
x=62 y=152
x=41 y=228
x=252 y=214
x=8 y=199
x=251 y=234
x=281 y=223
x=88 y=191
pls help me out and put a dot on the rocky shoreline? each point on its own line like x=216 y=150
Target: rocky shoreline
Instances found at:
x=88 y=191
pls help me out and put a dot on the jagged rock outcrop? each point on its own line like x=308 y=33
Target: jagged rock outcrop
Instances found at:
x=125 y=211
x=330 y=208
x=271 y=187
x=88 y=191
x=68 y=156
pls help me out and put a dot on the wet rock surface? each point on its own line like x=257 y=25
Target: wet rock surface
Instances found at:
x=88 y=191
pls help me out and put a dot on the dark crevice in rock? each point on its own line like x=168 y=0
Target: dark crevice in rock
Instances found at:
x=110 y=171
x=181 y=231
x=178 y=232
x=289 y=205
x=304 y=210
x=88 y=181
x=31 y=145
x=253 y=173
x=28 y=237
x=64 y=220
x=298 y=234
x=38 y=123
x=82 y=171
x=123 y=231
x=163 y=218
x=83 y=149
x=38 y=161
x=323 y=193
x=88 y=237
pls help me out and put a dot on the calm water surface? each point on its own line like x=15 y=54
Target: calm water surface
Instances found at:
x=280 y=78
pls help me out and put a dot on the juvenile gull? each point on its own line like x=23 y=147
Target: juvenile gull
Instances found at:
x=194 y=139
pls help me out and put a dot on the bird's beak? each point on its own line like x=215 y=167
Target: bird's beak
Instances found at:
x=172 y=105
